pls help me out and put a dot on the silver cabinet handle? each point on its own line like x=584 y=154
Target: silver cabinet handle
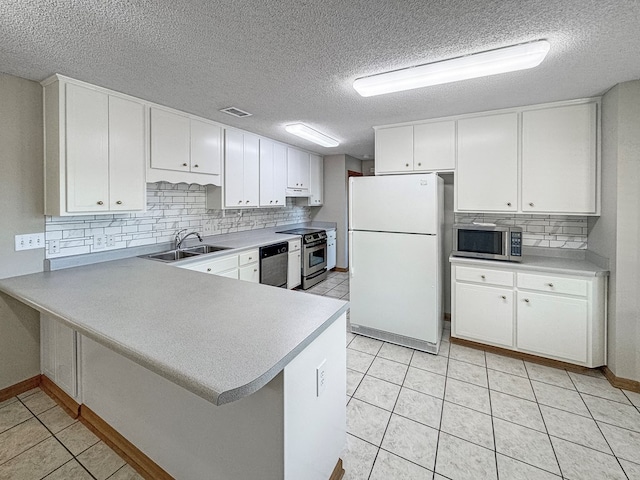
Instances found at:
x=531 y=204
x=184 y=164
x=100 y=202
x=508 y=204
x=119 y=202
x=270 y=201
x=255 y=269
x=526 y=300
x=247 y=201
x=239 y=201
x=196 y=166
x=482 y=277
x=276 y=201
x=208 y=269
x=550 y=284
x=503 y=297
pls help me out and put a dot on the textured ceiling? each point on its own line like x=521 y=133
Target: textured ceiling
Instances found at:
x=294 y=61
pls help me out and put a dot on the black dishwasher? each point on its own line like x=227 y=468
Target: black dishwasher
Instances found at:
x=274 y=263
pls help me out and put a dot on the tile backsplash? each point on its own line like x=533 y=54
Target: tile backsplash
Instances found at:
x=551 y=231
x=170 y=207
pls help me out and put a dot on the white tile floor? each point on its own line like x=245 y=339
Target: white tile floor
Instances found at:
x=470 y=414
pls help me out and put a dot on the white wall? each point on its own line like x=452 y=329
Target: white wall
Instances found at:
x=21 y=197
x=614 y=235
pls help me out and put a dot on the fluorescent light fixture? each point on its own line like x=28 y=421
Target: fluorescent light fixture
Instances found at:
x=308 y=133
x=502 y=60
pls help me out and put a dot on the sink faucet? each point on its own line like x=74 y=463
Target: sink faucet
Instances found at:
x=179 y=240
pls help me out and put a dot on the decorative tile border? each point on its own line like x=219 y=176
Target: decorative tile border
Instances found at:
x=170 y=207
x=550 y=231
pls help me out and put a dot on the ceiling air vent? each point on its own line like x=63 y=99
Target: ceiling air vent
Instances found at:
x=236 y=112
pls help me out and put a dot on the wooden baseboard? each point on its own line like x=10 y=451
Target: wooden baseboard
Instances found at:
x=618 y=382
x=338 y=471
x=63 y=398
x=123 y=447
x=523 y=356
x=18 y=388
x=340 y=269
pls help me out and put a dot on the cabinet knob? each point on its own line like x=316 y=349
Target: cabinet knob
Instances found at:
x=508 y=204
x=100 y=202
x=250 y=258
x=195 y=166
x=526 y=300
x=184 y=164
x=119 y=202
x=270 y=201
x=482 y=277
x=276 y=201
x=208 y=269
x=503 y=297
x=550 y=284
x=247 y=201
x=255 y=269
x=239 y=201
x=406 y=164
x=419 y=164
x=531 y=204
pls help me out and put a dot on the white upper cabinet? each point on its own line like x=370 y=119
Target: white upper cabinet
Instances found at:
x=297 y=169
x=394 y=149
x=422 y=147
x=95 y=150
x=434 y=146
x=181 y=143
x=487 y=173
x=316 y=180
x=559 y=169
x=273 y=173
x=241 y=169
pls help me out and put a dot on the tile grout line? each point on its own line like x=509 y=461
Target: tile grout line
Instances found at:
x=444 y=394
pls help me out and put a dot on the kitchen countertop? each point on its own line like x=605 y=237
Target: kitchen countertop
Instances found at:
x=219 y=338
x=571 y=266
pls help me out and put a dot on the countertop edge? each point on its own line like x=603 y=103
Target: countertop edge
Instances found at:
x=592 y=270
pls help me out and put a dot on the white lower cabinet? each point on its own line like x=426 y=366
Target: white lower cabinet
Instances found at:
x=294 y=270
x=485 y=313
x=244 y=266
x=557 y=316
x=59 y=355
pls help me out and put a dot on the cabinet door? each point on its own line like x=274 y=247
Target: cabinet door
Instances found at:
x=297 y=168
x=316 y=180
x=251 y=171
x=394 y=149
x=206 y=147
x=170 y=140
x=127 y=141
x=552 y=325
x=294 y=270
x=483 y=314
x=434 y=146
x=250 y=273
x=47 y=347
x=87 y=145
x=487 y=173
x=266 y=173
x=559 y=159
x=234 y=168
x=66 y=359
x=279 y=175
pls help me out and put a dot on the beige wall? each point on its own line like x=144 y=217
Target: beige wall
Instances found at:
x=335 y=205
x=21 y=197
x=614 y=235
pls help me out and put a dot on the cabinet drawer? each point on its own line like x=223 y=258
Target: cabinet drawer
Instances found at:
x=294 y=245
x=248 y=257
x=484 y=276
x=217 y=266
x=553 y=284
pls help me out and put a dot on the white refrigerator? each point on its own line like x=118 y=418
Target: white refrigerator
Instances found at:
x=395 y=264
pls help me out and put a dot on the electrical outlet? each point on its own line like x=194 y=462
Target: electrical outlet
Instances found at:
x=99 y=242
x=111 y=240
x=29 y=241
x=321 y=377
x=207 y=228
x=54 y=246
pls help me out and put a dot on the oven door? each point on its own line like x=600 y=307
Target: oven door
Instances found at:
x=315 y=258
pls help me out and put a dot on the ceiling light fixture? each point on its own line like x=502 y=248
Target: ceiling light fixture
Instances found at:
x=308 y=133
x=492 y=62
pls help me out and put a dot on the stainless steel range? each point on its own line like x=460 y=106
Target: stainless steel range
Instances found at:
x=314 y=255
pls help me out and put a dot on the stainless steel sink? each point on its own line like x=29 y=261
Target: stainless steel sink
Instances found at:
x=173 y=255
x=199 y=249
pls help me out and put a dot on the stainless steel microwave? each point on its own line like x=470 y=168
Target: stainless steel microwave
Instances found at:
x=493 y=242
